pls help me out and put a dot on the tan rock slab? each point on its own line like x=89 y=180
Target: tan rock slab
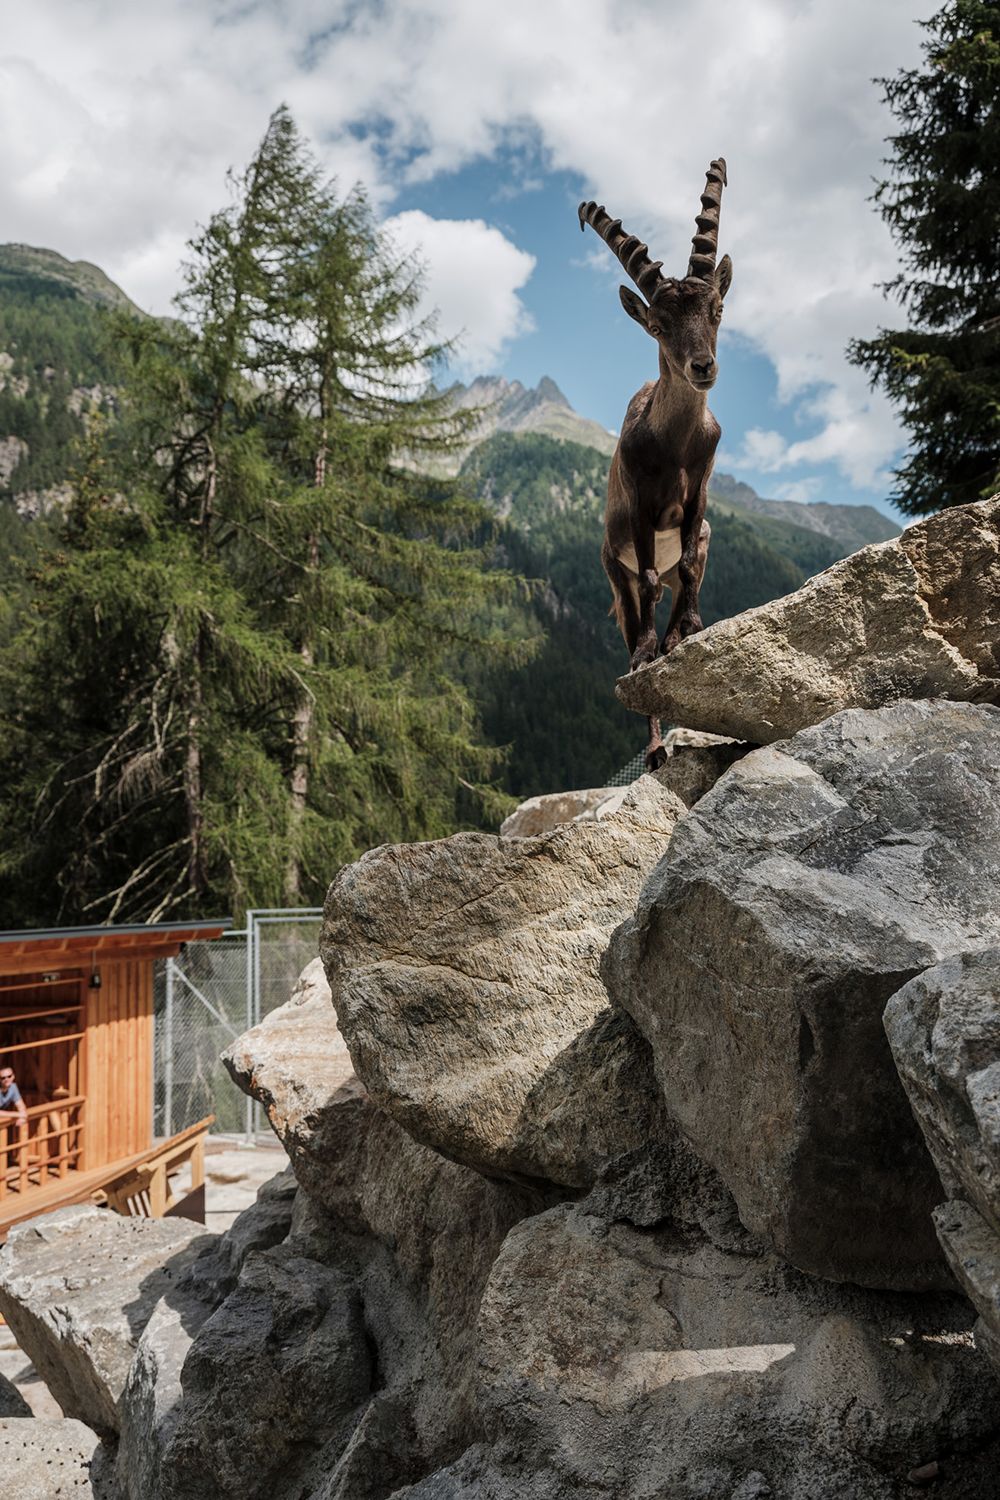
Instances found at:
x=77 y=1288
x=465 y=977
x=915 y=617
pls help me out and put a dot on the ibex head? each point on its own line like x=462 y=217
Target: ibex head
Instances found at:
x=682 y=316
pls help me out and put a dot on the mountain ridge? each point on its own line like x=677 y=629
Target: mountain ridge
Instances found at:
x=81 y=278
x=509 y=406
x=851 y=525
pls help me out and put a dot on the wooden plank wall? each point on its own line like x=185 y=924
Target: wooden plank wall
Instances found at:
x=40 y=1073
x=119 y=1062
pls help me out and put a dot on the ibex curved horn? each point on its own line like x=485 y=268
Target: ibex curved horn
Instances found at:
x=629 y=249
x=705 y=245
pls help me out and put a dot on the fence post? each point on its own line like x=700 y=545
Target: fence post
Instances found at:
x=257 y=1122
x=249 y=1106
x=168 y=1048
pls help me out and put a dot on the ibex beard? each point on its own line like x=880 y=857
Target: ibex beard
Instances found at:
x=655 y=532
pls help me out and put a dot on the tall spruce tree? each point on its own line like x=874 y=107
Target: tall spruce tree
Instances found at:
x=240 y=668
x=942 y=203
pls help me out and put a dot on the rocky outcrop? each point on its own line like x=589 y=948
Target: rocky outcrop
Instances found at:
x=49 y=1459
x=624 y=1363
x=944 y=1030
x=416 y=1236
x=77 y=1324
x=795 y=898
x=13 y=451
x=544 y=1247
x=486 y=950
x=915 y=617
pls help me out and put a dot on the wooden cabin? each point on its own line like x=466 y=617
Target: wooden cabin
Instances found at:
x=76 y=1025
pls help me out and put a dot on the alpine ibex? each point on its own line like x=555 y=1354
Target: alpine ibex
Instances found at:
x=655 y=532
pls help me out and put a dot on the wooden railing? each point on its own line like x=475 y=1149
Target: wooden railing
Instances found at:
x=147 y=1189
x=46 y=1145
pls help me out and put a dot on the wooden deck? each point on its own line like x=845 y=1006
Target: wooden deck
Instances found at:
x=137 y=1184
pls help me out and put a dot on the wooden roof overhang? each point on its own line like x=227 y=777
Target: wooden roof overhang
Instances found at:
x=51 y=950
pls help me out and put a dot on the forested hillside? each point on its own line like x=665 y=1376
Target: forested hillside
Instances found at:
x=56 y=366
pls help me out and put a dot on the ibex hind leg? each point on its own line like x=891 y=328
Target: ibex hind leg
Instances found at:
x=625 y=608
x=656 y=752
x=684 y=618
x=625 y=599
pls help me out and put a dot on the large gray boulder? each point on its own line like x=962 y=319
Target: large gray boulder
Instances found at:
x=151 y=1404
x=78 y=1287
x=465 y=978
x=915 y=617
x=645 y=1363
x=273 y=1383
x=944 y=1030
x=815 y=879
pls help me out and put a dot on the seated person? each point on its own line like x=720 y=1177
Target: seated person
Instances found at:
x=12 y=1106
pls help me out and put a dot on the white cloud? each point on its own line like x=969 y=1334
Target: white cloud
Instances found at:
x=119 y=120
x=802 y=490
x=857 y=432
x=472 y=277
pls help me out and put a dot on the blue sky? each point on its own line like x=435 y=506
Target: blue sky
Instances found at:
x=476 y=131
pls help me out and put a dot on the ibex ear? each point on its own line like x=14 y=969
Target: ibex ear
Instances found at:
x=724 y=275
x=634 y=306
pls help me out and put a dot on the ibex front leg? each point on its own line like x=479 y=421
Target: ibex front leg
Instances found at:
x=687 y=577
x=650 y=592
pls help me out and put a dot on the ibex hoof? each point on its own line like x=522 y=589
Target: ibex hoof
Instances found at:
x=641 y=657
x=655 y=758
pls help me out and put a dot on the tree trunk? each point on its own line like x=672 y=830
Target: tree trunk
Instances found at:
x=197 y=879
x=302 y=725
x=299 y=788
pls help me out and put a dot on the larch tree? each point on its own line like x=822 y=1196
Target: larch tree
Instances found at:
x=245 y=660
x=365 y=567
x=941 y=201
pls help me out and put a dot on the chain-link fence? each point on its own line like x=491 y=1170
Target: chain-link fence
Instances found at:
x=630 y=772
x=209 y=995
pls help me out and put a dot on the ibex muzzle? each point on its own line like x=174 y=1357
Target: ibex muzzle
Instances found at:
x=655 y=532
